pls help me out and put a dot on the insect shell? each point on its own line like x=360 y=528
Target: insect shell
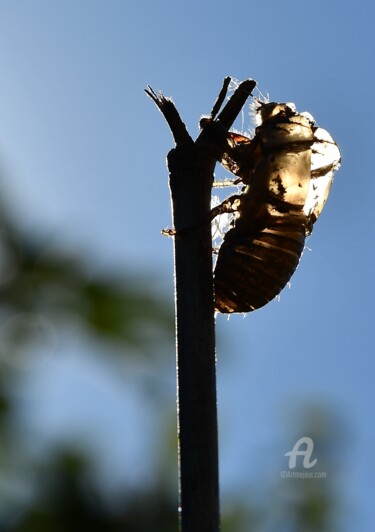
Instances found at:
x=287 y=170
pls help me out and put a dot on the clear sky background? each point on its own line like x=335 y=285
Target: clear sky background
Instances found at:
x=83 y=157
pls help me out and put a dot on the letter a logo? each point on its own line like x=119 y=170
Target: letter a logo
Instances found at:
x=306 y=453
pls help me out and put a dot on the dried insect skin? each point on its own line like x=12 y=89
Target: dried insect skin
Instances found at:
x=276 y=210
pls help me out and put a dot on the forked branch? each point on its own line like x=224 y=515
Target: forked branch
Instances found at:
x=191 y=165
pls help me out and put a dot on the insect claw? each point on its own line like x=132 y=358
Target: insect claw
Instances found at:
x=168 y=232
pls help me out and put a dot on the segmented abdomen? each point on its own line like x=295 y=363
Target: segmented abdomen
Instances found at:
x=252 y=269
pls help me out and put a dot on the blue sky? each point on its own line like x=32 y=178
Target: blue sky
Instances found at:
x=83 y=152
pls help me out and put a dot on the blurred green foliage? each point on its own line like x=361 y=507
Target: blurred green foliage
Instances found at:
x=62 y=286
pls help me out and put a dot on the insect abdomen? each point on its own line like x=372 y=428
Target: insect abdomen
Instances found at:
x=253 y=269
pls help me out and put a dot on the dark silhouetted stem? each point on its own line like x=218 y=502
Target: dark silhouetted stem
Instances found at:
x=191 y=165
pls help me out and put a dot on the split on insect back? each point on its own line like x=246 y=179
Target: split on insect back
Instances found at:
x=286 y=171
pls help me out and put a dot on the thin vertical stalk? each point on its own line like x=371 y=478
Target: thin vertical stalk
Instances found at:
x=191 y=165
x=196 y=379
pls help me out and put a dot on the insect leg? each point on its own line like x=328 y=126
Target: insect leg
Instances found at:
x=229 y=205
x=226 y=183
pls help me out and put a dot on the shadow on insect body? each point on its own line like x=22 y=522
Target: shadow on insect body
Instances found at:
x=287 y=171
